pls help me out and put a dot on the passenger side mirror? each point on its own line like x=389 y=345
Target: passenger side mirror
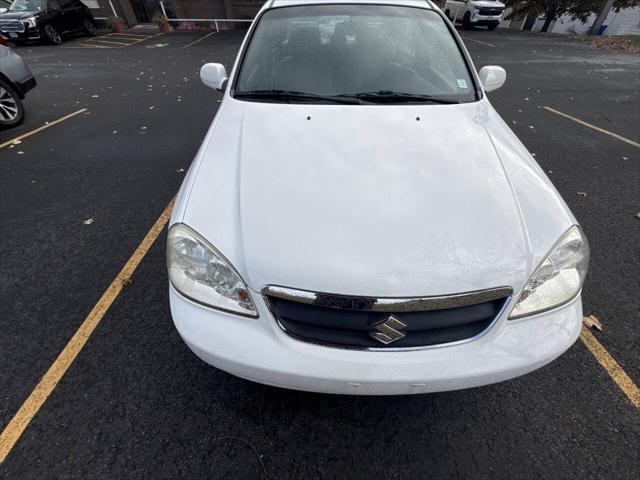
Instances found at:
x=214 y=75
x=492 y=77
x=4 y=10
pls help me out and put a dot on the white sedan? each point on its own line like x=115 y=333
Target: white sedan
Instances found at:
x=360 y=220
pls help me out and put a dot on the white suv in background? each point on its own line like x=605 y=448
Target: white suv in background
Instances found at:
x=475 y=13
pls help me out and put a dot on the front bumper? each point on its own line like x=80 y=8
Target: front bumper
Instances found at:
x=30 y=33
x=25 y=86
x=16 y=70
x=258 y=350
x=485 y=20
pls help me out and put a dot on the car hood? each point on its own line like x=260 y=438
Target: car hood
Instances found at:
x=488 y=4
x=362 y=200
x=17 y=15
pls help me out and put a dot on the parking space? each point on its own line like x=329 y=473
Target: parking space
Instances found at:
x=81 y=197
x=111 y=40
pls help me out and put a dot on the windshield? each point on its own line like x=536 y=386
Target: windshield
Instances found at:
x=27 y=6
x=348 y=50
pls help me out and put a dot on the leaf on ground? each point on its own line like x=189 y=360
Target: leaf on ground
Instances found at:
x=88 y=221
x=592 y=322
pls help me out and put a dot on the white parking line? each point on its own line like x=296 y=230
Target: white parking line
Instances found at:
x=478 y=41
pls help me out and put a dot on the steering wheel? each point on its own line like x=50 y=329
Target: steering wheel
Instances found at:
x=392 y=71
x=395 y=75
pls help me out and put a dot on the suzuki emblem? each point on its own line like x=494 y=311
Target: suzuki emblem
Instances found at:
x=389 y=331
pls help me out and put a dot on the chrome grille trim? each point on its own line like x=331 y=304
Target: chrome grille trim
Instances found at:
x=490 y=11
x=11 y=26
x=387 y=304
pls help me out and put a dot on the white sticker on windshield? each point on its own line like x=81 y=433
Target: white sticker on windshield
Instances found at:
x=462 y=83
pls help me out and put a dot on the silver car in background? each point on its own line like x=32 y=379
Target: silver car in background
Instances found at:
x=16 y=80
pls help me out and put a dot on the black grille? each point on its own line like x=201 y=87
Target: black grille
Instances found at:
x=490 y=11
x=350 y=324
x=11 y=26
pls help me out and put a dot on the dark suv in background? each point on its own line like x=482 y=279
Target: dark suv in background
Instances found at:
x=45 y=20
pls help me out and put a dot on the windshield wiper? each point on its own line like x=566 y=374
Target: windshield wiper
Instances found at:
x=388 y=96
x=289 y=95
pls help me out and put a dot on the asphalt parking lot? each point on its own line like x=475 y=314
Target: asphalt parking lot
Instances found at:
x=79 y=196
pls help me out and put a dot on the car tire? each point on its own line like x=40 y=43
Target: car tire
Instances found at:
x=466 y=21
x=89 y=28
x=11 y=107
x=52 y=34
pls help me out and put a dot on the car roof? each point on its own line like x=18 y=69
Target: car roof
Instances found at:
x=407 y=3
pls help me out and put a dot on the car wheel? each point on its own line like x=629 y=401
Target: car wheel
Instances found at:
x=11 y=108
x=89 y=28
x=466 y=21
x=53 y=35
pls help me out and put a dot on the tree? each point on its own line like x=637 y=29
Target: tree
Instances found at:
x=552 y=9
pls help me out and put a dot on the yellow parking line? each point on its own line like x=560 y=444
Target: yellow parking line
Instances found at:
x=612 y=367
x=118 y=37
x=11 y=434
x=114 y=43
x=146 y=38
x=200 y=39
x=597 y=129
x=13 y=431
x=92 y=43
x=129 y=34
x=82 y=45
x=43 y=127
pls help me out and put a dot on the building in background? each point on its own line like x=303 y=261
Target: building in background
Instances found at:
x=135 y=12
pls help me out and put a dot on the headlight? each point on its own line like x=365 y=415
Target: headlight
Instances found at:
x=198 y=271
x=31 y=21
x=559 y=278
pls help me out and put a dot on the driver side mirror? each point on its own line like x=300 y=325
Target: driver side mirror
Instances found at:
x=214 y=75
x=4 y=10
x=492 y=77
